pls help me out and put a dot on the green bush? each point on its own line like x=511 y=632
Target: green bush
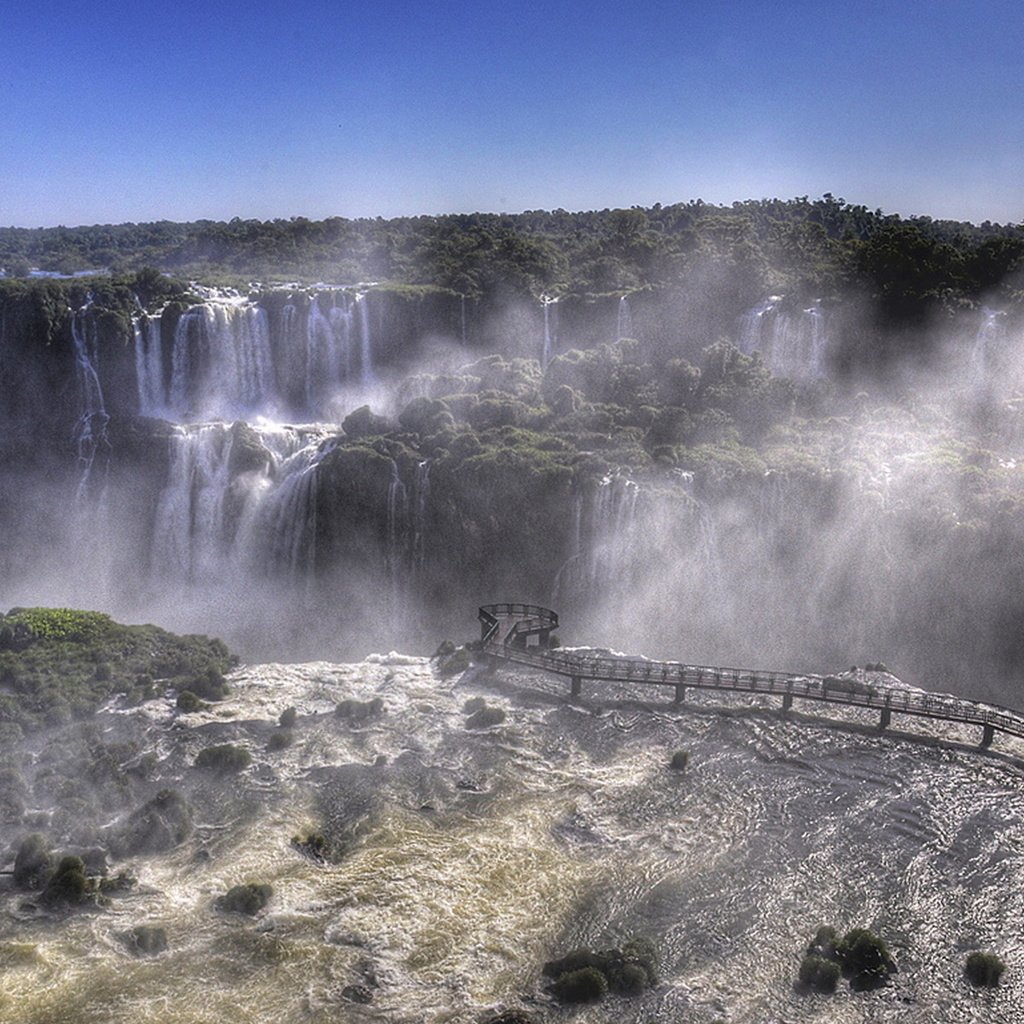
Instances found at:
x=68 y=884
x=586 y=985
x=825 y=943
x=224 y=758
x=627 y=971
x=818 y=974
x=188 y=702
x=288 y=718
x=984 y=969
x=33 y=864
x=680 y=759
x=248 y=899
x=865 y=959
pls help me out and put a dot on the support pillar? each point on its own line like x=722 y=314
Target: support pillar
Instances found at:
x=680 y=693
x=577 y=685
x=787 y=703
x=988 y=735
x=884 y=719
x=543 y=637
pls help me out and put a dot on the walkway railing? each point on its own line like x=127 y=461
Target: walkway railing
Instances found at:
x=505 y=631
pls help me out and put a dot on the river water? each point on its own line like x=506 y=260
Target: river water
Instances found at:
x=464 y=858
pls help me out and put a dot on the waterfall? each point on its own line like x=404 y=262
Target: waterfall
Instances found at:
x=624 y=325
x=420 y=494
x=462 y=317
x=550 y=330
x=794 y=345
x=215 y=522
x=288 y=520
x=987 y=343
x=365 y=343
x=397 y=522
x=605 y=534
x=149 y=364
x=221 y=361
x=91 y=427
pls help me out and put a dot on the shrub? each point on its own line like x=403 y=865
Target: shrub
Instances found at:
x=680 y=759
x=288 y=718
x=33 y=864
x=455 y=663
x=280 y=740
x=188 y=702
x=627 y=971
x=248 y=899
x=984 y=969
x=444 y=649
x=68 y=884
x=224 y=758
x=865 y=959
x=824 y=944
x=210 y=684
x=586 y=985
x=819 y=974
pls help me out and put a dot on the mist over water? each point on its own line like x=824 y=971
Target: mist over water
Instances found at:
x=239 y=520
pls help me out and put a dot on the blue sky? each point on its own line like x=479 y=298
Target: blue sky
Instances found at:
x=147 y=111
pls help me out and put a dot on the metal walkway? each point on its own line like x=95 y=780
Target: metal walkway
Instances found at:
x=520 y=633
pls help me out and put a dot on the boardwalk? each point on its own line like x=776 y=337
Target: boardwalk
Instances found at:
x=520 y=633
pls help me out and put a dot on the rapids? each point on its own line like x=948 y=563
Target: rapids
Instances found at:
x=469 y=857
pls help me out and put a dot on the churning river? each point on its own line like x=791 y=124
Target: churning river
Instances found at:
x=466 y=857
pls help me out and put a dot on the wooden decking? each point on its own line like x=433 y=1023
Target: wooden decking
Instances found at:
x=506 y=632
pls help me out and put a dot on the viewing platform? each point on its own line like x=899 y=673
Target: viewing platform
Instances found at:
x=521 y=633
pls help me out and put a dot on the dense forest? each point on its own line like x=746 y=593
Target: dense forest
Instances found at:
x=822 y=247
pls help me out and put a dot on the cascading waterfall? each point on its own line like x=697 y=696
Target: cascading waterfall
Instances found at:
x=149 y=364
x=792 y=345
x=988 y=343
x=606 y=530
x=418 y=509
x=550 y=328
x=230 y=358
x=91 y=428
x=328 y=351
x=221 y=362
x=397 y=520
x=624 y=324
x=288 y=518
x=365 y=343
x=213 y=521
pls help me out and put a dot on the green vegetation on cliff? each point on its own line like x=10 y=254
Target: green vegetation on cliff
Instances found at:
x=58 y=663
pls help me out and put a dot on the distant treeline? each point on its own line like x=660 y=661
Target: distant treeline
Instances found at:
x=824 y=247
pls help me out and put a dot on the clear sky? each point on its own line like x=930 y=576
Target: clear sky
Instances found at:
x=142 y=111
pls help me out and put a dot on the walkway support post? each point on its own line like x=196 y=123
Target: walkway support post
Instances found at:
x=680 y=693
x=577 y=685
x=988 y=735
x=884 y=719
x=787 y=703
